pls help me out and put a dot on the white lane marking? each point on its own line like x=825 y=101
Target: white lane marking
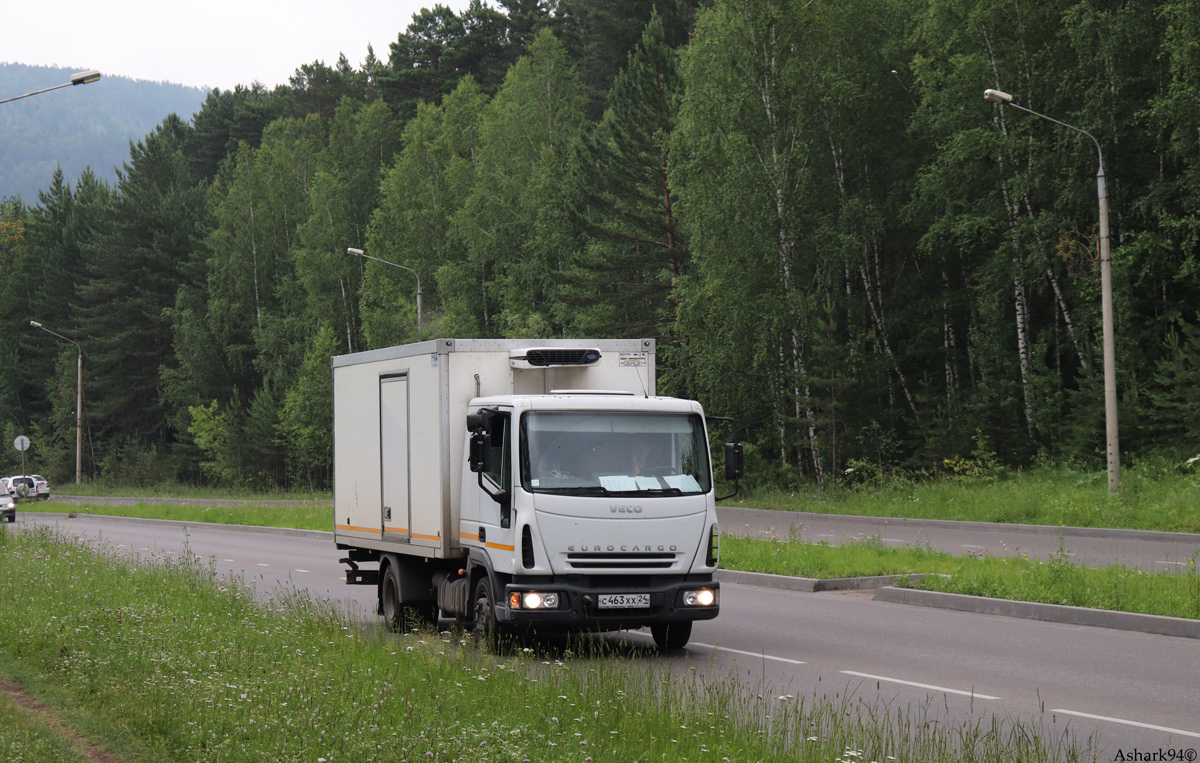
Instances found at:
x=229 y=560
x=1181 y=564
x=1150 y=726
x=892 y=540
x=965 y=545
x=758 y=655
x=299 y=570
x=260 y=564
x=919 y=686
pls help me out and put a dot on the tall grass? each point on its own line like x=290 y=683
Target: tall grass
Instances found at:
x=191 y=665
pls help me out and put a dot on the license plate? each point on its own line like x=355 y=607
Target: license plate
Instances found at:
x=623 y=600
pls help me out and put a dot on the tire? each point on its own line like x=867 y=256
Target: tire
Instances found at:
x=486 y=627
x=671 y=637
x=400 y=616
x=390 y=605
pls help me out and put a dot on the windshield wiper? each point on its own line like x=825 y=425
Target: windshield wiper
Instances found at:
x=581 y=490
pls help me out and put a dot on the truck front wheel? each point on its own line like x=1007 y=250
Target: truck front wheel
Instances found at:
x=669 y=637
x=487 y=628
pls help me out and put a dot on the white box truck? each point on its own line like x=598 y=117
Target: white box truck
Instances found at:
x=520 y=485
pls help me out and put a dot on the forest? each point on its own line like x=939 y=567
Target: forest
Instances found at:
x=809 y=204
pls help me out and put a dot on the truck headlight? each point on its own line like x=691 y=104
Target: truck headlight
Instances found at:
x=533 y=600
x=705 y=597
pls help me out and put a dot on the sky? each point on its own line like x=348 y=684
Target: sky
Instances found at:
x=212 y=43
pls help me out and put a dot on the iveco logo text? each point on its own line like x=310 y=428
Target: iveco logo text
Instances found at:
x=645 y=548
x=617 y=508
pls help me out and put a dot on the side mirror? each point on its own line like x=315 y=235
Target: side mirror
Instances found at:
x=481 y=452
x=735 y=462
x=480 y=455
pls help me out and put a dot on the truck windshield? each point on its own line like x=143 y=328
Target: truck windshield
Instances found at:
x=603 y=452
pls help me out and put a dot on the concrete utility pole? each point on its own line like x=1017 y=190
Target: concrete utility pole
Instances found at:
x=361 y=253
x=78 y=400
x=1106 y=307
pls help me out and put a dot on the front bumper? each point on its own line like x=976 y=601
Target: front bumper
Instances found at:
x=579 y=603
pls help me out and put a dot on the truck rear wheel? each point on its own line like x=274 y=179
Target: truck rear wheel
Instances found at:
x=389 y=601
x=669 y=637
x=399 y=615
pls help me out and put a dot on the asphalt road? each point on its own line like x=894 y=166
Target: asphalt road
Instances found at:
x=1137 y=692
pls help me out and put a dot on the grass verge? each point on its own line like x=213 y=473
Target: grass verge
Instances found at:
x=1153 y=496
x=1057 y=581
x=191 y=666
x=303 y=516
x=176 y=490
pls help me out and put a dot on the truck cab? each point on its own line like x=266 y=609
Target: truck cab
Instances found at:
x=592 y=509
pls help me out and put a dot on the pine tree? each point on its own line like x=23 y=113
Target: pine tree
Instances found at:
x=133 y=274
x=621 y=283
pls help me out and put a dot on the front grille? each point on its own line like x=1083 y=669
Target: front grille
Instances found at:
x=620 y=560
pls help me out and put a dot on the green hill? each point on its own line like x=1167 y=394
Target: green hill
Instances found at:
x=78 y=126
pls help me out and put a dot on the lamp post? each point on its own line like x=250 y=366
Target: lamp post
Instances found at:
x=1110 y=364
x=361 y=253
x=78 y=401
x=81 y=78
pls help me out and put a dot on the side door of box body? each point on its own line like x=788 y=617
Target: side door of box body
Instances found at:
x=394 y=464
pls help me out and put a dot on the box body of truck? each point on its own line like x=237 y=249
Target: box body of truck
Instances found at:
x=518 y=484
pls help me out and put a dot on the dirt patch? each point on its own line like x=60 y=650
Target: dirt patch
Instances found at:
x=88 y=749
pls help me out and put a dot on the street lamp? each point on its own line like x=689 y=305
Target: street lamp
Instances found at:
x=78 y=399
x=361 y=253
x=1110 y=364
x=80 y=78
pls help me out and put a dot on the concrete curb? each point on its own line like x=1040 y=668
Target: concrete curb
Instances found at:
x=811 y=585
x=1057 y=613
x=180 y=523
x=798 y=517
